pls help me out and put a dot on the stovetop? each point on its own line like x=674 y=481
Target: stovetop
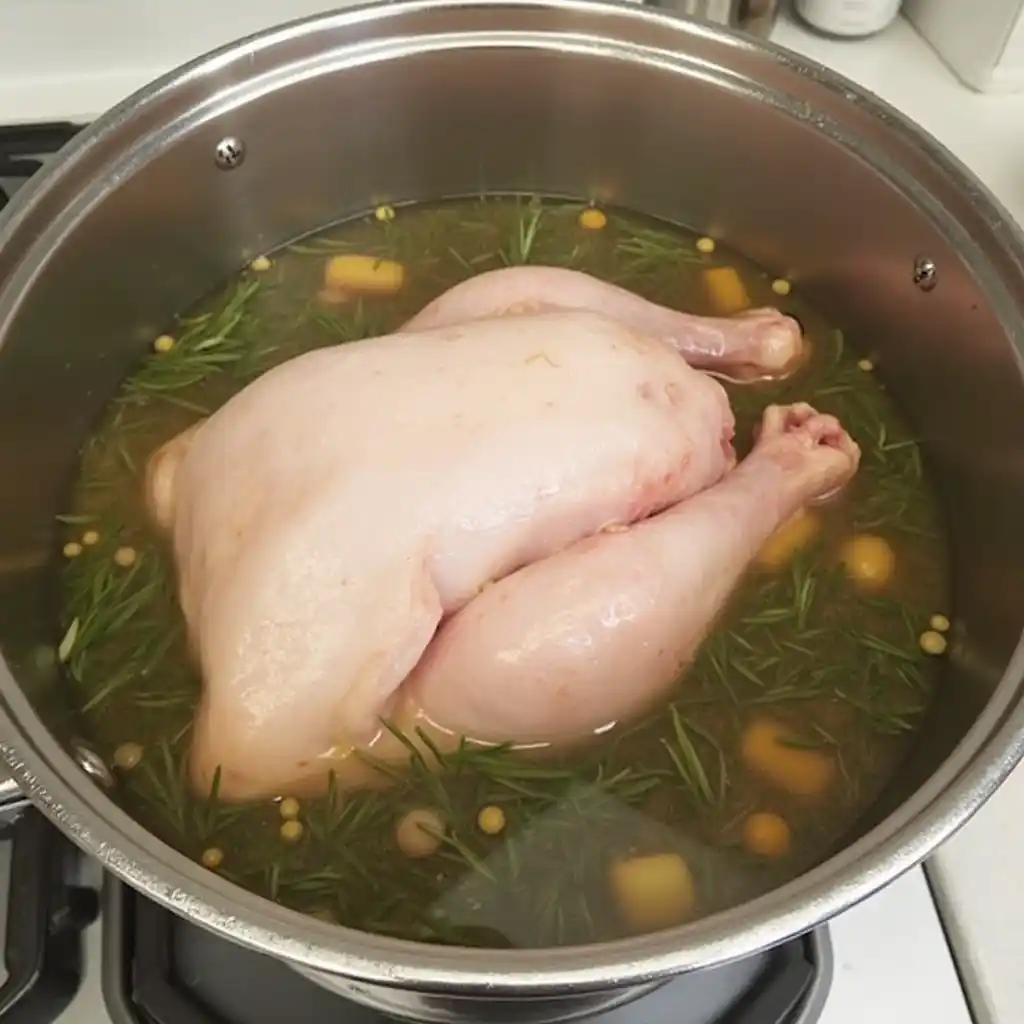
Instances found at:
x=83 y=949
x=23 y=148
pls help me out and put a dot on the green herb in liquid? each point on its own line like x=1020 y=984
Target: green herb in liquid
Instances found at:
x=840 y=670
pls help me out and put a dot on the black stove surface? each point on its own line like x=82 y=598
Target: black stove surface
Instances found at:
x=159 y=969
x=23 y=148
x=46 y=912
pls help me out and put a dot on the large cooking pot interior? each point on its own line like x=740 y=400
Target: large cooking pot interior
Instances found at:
x=285 y=133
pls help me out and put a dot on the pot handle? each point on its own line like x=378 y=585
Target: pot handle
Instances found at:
x=45 y=918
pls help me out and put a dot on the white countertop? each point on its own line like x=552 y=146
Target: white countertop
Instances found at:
x=985 y=131
x=979 y=875
x=892 y=965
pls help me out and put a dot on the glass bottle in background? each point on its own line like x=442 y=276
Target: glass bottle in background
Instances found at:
x=848 y=19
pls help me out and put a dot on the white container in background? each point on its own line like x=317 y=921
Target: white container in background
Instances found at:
x=982 y=42
x=851 y=19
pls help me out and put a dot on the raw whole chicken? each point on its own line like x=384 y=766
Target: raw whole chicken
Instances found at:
x=514 y=520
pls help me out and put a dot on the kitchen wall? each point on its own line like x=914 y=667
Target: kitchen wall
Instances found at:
x=101 y=48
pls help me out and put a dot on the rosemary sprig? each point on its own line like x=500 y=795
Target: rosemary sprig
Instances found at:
x=208 y=343
x=688 y=764
x=520 y=247
x=351 y=323
x=644 y=249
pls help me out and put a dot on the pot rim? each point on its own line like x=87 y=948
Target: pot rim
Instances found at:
x=52 y=780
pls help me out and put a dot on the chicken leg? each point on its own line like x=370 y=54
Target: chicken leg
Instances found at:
x=599 y=632
x=759 y=344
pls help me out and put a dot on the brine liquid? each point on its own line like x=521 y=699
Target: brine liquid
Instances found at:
x=804 y=662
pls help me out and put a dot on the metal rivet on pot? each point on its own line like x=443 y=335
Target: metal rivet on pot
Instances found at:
x=925 y=273
x=230 y=153
x=92 y=764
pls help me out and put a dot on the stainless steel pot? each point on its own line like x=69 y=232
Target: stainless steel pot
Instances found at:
x=272 y=137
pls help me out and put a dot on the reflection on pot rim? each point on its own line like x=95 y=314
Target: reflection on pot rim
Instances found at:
x=134 y=152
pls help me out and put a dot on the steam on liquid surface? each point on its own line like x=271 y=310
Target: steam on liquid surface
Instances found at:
x=800 y=705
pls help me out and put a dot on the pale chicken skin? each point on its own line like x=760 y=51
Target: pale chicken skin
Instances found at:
x=596 y=634
x=518 y=528
x=759 y=344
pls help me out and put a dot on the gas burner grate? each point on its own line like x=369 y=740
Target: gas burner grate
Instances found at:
x=46 y=914
x=25 y=148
